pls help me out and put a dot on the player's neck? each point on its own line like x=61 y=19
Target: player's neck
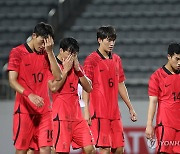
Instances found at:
x=104 y=53
x=169 y=68
x=30 y=44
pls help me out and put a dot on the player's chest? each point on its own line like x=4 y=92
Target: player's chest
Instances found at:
x=107 y=67
x=171 y=84
x=71 y=82
x=34 y=63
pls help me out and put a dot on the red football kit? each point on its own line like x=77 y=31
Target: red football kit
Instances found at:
x=30 y=123
x=65 y=100
x=69 y=124
x=33 y=73
x=165 y=86
x=105 y=75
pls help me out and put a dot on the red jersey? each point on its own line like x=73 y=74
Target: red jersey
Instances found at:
x=33 y=74
x=105 y=75
x=66 y=101
x=166 y=86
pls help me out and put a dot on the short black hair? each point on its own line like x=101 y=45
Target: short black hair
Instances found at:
x=106 y=32
x=173 y=48
x=42 y=29
x=69 y=44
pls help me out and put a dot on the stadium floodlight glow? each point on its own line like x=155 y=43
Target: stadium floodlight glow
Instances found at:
x=61 y=1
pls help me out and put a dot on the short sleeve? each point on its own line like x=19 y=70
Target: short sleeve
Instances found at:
x=121 y=71
x=153 y=88
x=14 y=60
x=89 y=68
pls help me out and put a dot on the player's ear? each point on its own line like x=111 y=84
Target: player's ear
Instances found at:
x=99 y=40
x=169 y=57
x=34 y=35
x=60 y=50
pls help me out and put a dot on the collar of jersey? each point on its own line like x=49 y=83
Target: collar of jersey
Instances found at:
x=168 y=72
x=28 y=48
x=99 y=53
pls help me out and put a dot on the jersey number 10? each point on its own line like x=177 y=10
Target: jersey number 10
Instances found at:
x=38 y=77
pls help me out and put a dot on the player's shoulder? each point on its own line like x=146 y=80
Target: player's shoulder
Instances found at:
x=159 y=70
x=92 y=57
x=156 y=72
x=116 y=56
x=18 y=49
x=159 y=73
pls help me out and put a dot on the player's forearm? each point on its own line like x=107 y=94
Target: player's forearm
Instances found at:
x=56 y=85
x=13 y=75
x=86 y=83
x=151 y=110
x=16 y=86
x=54 y=66
x=85 y=98
x=124 y=95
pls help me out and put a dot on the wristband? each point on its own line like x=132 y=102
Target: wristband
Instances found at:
x=79 y=73
x=26 y=93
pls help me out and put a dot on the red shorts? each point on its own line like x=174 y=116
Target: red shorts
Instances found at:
x=32 y=130
x=168 y=139
x=107 y=133
x=67 y=132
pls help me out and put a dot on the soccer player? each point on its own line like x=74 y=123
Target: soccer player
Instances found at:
x=69 y=124
x=164 y=90
x=30 y=66
x=104 y=69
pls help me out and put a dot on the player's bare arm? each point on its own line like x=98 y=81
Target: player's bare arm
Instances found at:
x=53 y=85
x=125 y=97
x=85 y=97
x=84 y=80
x=49 y=44
x=151 y=112
x=35 y=99
x=67 y=65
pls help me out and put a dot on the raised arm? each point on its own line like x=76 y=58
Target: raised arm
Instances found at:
x=67 y=65
x=54 y=85
x=84 y=80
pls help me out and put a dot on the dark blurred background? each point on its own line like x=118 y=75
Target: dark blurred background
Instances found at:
x=144 y=28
